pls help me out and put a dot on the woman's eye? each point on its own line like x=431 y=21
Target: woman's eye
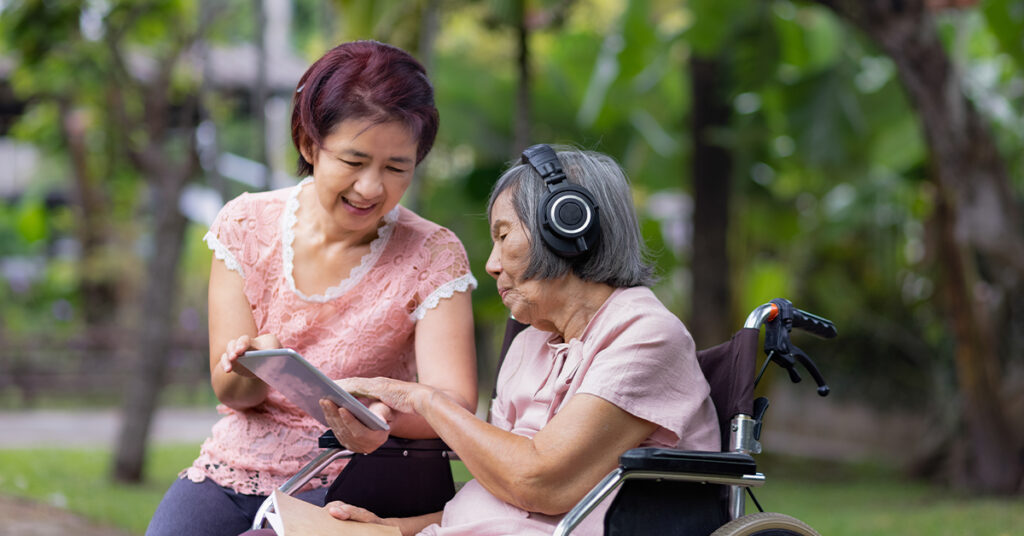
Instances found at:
x=396 y=170
x=351 y=163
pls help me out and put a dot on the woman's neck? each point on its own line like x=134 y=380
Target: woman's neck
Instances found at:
x=580 y=302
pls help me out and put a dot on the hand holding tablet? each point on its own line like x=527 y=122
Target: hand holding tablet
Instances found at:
x=305 y=385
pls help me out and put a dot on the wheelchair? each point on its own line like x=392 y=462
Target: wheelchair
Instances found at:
x=659 y=491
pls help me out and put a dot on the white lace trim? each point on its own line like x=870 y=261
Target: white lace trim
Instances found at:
x=288 y=219
x=221 y=252
x=446 y=290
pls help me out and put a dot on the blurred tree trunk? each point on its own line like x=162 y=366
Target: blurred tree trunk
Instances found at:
x=152 y=350
x=159 y=141
x=429 y=26
x=710 y=312
x=524 y=22
x=982 y=223
x=521 y=130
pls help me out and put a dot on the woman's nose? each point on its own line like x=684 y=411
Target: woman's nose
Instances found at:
x=493 y=265
x=369 y=185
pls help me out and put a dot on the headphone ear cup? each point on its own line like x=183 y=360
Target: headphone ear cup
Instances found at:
x=570 y=222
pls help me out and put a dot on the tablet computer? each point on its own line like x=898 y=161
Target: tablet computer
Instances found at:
x=305 y=385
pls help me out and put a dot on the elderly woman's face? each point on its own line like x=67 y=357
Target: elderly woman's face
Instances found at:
x=509 y=259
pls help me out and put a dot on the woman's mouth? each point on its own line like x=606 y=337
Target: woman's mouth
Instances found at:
x=359 y=207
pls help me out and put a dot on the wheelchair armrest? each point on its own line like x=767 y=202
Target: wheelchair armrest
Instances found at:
x=412 y=446
x=726 y=468
x=687 y=461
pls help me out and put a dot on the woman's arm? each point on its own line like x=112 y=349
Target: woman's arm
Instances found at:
x=550 y=472
x=231 y=320
x=445 y=360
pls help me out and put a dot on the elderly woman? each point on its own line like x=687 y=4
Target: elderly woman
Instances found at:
x=604 y=367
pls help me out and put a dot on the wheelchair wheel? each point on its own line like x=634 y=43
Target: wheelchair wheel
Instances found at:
x=765 y=524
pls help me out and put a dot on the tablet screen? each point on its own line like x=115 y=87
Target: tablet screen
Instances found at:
x=305 y=385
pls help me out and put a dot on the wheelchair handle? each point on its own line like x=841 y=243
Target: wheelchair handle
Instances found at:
x=814 y=324
x=779 y=317
x=808 y=322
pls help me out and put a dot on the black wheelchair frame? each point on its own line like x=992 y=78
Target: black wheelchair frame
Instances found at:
x=659 y=490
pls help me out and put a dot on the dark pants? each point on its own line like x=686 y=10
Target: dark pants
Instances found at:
x=207 y=509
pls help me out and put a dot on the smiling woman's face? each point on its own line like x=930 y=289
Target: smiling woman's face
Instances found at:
x=362 y=171
x=510 y=256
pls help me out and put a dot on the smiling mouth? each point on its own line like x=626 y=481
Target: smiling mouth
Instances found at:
x=362 y=207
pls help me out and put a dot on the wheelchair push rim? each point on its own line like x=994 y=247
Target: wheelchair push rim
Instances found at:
x=765 y=524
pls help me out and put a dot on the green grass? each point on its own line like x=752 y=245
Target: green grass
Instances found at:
x=77 y=480
x=859 y=499
x=837 y=500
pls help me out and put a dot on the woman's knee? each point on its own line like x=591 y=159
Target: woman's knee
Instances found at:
x=201 y=509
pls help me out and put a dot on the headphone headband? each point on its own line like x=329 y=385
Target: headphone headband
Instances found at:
x=543 y=159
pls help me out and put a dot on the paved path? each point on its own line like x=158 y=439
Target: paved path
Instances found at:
x=22 y=517
x=97 y=428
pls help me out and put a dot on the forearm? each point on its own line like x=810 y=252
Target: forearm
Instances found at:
x=510 y=466
x=507 y=465
x=236 y=391
x=551 y=471
x=415 y=426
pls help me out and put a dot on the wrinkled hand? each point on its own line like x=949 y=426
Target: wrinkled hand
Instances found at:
x=398 y=395
x=237 y=347
x=352 y=433
x=347 y=512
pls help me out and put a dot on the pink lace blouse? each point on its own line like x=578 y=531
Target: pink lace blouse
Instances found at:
x=635 y=354
x=362 y=327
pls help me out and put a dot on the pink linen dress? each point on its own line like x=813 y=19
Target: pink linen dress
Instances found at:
x=635 y=354
x=362 y=327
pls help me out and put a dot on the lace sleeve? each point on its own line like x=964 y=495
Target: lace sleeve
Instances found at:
x=447 y=273
x=219 y=237
x=223 y=253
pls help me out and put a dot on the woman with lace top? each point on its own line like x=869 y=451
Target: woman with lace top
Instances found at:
x=335 y=269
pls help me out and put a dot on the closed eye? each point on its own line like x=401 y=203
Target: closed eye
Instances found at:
x=351 y=163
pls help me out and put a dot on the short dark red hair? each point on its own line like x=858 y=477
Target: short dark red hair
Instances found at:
x=364 y=80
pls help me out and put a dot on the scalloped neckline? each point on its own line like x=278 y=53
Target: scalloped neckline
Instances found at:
x=290 y=218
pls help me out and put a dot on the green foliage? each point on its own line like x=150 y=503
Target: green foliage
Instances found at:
x=715 y=24
x=1005 y=20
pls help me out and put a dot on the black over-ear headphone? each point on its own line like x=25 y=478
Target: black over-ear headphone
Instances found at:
x=567 y=213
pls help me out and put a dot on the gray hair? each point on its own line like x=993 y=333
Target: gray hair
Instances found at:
x=621 y=256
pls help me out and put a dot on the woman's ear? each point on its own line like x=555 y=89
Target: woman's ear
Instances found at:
x=308 y=153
